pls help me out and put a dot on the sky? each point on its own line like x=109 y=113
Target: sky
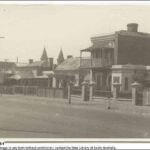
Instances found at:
x=27 y=29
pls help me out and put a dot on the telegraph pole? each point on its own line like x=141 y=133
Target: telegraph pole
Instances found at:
x=5 y=67
x=2 y=37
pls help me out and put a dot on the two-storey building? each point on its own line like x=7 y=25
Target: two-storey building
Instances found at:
x=119 y=48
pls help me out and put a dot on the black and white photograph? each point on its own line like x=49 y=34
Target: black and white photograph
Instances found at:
x=75 y=71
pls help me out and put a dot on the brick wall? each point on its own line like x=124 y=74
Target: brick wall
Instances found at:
x=133 y=50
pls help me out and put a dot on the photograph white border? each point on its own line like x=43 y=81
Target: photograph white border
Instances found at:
x=77 y=140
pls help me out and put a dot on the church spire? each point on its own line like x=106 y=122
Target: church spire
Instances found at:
x=44 y=56
x=60 y=58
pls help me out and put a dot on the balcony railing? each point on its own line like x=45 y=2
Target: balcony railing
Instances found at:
x=95 y=63
x=85 y=63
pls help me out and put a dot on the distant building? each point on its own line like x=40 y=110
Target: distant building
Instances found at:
x=6 y=70
x=35 y=73
x=69 y=70
x=120 y=48
x=125 y=75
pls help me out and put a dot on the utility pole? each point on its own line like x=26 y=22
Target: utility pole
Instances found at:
x=2 y=37
x=5 y=67
x=4 y=71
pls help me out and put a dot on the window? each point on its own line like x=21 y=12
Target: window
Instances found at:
x=116 y=79
x=126 y=83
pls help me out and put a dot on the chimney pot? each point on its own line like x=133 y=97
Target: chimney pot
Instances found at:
x=132 y=27
x=51 y=62
x=30 y=61
x=69 y=56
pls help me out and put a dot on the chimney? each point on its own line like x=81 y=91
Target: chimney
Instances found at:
x=51 y=62
x=69 y=56
x=30 y=61
x=132 y=27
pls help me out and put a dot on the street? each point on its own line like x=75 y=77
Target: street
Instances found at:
x=37 y=117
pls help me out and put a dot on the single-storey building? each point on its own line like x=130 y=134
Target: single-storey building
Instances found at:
x=125 y=75
x=69 y=70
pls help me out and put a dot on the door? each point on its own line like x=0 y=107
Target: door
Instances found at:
x=99 y=81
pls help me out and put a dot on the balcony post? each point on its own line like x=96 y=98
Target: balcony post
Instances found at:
x=80 y=57
x=116 y=89
x=91 y=85
x=91 y=59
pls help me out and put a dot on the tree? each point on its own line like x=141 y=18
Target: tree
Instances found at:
x=44 y=56
x=60 y=58
x=140 y=77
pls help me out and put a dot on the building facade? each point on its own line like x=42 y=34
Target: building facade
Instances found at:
x=69 y=70
x=120 y=48
x=34 y=73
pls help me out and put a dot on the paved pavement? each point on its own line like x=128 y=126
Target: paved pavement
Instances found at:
x=37 y=117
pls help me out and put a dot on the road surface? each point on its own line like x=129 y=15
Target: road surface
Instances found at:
x=35 y=117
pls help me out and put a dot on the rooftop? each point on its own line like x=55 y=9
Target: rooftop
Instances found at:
x=72 y=64
x=69 y=64
x=132 y=30
x=34 y=64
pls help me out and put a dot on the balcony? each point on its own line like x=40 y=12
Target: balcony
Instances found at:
x=85 y=62
x=95 y=63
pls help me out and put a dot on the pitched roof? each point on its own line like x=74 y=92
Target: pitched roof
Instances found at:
x=22 y=75
x=34 y=64
x=19 y=64
x=6 y=64
x=69 y=64
x=72 y=64
x=25 y=74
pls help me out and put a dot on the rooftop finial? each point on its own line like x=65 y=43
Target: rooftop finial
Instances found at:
x=44 y=56
x=60 y=58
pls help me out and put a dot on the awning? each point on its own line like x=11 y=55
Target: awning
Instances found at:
x=8 y=72
x=15 y=77
x=88 y=49
x=92 y=48
x=41 y=77
x=48 y=73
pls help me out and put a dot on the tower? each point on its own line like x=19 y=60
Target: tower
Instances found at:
x=60 y=58
x=44 y=56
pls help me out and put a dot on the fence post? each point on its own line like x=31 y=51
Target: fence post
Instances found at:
x=5 y=90
x=54 y=92
x=37 y=90
x=25 y=90
x=91 y=90
x=13 y=89
x=116 y=88
x=84 y=94
x=146 y=97
x=1 y=90
x=45 y=91
x=135 y=88
x=69 y=91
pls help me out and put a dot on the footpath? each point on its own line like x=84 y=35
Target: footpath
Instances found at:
x=101 y=104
